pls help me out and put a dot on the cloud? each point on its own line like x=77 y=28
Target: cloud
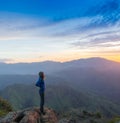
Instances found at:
x=81 y=32
x=15 y=26
x=97 y=39
x=108 y=9
x=5 y=60
x=23 y=28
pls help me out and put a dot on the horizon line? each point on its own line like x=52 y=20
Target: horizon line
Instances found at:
x=60 y=61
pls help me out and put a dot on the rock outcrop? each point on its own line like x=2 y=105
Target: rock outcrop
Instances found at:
x=82 y=117
x=30 y=115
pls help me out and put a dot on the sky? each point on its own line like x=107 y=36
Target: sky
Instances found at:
x=59 y=30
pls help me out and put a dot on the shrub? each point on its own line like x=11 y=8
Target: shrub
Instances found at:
x=5 y=107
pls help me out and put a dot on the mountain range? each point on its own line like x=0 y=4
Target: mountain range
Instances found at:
x=90 y=84
x=60 y=97
x=98 y=75
x=50 y=67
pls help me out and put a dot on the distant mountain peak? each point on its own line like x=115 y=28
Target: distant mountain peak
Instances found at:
x=92 y=59
x=50 y=67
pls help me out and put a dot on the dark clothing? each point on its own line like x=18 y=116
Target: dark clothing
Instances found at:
x=40 y=83
x=42 y=102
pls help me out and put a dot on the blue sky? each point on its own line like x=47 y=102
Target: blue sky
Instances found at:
x=59 y=30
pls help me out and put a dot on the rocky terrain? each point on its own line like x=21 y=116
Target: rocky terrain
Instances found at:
x=30 y=115
x=33 y=115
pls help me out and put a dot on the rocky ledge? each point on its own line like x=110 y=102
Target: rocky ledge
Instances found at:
x=30 y=115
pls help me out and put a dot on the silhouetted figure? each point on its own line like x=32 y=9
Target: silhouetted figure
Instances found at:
x=40 y=83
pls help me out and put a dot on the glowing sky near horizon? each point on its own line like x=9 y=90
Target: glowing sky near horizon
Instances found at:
x=59 y=30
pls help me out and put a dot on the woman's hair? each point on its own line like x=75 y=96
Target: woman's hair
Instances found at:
x=41 y=74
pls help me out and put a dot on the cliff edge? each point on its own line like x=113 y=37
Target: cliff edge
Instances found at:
x=30 y=115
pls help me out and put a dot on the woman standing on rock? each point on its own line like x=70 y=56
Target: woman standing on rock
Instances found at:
x=40 y=83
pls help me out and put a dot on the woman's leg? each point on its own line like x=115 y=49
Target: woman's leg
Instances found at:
x=42 y=102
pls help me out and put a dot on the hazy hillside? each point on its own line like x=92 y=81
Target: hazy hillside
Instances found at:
x=96 y=75
x=6 y=80
x=50 y=67
x=101 y=77
x=86 y=84
x=60 y=97
x=29 y=68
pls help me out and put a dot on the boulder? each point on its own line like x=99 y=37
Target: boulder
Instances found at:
x=30 y=115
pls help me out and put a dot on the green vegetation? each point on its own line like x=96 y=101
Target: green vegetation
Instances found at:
x=115 y=120
x=84 y=116
x=5 y=107
x=60 y=97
